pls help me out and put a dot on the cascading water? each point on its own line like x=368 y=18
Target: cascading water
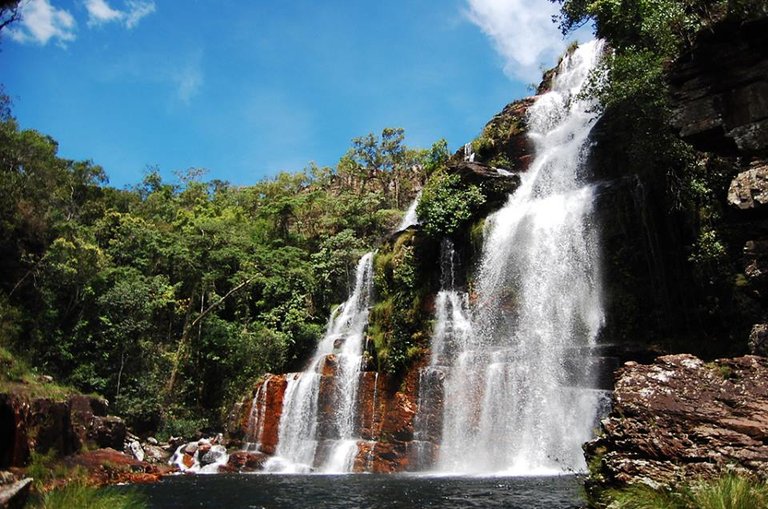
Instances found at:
x=518 y=390
x=410 y=218
x=452 y=332
x=300 y=437
x=469 y=153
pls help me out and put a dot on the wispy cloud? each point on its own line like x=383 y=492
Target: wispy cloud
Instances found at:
x=137 y=9
x=101 y=12
x=182 y=72
x=188 y=80
x=42 y=22
x=522 y=32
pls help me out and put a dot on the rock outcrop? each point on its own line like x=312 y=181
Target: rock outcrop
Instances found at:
x=43 y=424
x=504 y=142
x=749 y=189
x=720 y=89
x=108 y=466
x=681 y=418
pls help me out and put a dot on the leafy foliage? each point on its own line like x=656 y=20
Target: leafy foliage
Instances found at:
x=398 y=324
x=447 y=204
x=170 y=298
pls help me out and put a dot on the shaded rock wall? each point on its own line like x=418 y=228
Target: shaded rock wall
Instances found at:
x=42 y=425
x=720 y=89
x=681 y=418
x=720 y=98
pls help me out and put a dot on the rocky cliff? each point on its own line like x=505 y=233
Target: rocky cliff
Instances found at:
x=42 y=425
x=681 y=418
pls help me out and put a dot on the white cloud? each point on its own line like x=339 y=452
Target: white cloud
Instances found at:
x=42 y=22
x=137 y=9
x=522 y=32
x=100 y=12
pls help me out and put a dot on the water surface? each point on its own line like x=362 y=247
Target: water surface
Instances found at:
x=235 y=491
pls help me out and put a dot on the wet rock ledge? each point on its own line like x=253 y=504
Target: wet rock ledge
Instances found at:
x=681 y=418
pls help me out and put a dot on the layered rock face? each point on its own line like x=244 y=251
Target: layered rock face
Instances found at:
x=721 y=89
x=681 y=418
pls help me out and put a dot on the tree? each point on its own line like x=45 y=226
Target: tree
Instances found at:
x=10 y=12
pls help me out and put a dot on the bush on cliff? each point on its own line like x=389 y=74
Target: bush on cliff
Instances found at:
x=447 y=204
x=398 y=324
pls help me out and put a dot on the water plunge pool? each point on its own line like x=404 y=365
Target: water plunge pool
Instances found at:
x=275 y=491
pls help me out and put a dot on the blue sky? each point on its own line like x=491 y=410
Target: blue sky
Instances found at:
x=248 y=88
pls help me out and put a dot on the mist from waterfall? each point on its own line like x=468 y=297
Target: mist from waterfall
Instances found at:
x=518 y=392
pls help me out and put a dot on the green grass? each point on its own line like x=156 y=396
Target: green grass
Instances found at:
x=78 y=494
x=728 y=492
x=18 y=378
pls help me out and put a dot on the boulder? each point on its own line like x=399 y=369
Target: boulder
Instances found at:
x=135 y=450
x=107 y=431
x=155 y=454
x=749 y=189
x=758 y=339
x=681 y=418
x=214 y=454
x=246 y=461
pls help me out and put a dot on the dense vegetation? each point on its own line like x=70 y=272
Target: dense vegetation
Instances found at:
x=168 y=298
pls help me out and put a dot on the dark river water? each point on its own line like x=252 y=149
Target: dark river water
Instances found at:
x=232 y=491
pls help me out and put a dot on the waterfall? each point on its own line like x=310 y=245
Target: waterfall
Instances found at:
x=469 y=153
x=410 y=218
x=308 y=440
x=519 y=382
x=452 y=333
x=255 y=430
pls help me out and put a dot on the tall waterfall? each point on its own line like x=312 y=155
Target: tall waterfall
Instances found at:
x=302 y=444
x=518 y=390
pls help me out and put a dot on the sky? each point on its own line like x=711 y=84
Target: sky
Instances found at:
x=248 y=88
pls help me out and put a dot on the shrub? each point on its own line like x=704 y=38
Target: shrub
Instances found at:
x=447 y=204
